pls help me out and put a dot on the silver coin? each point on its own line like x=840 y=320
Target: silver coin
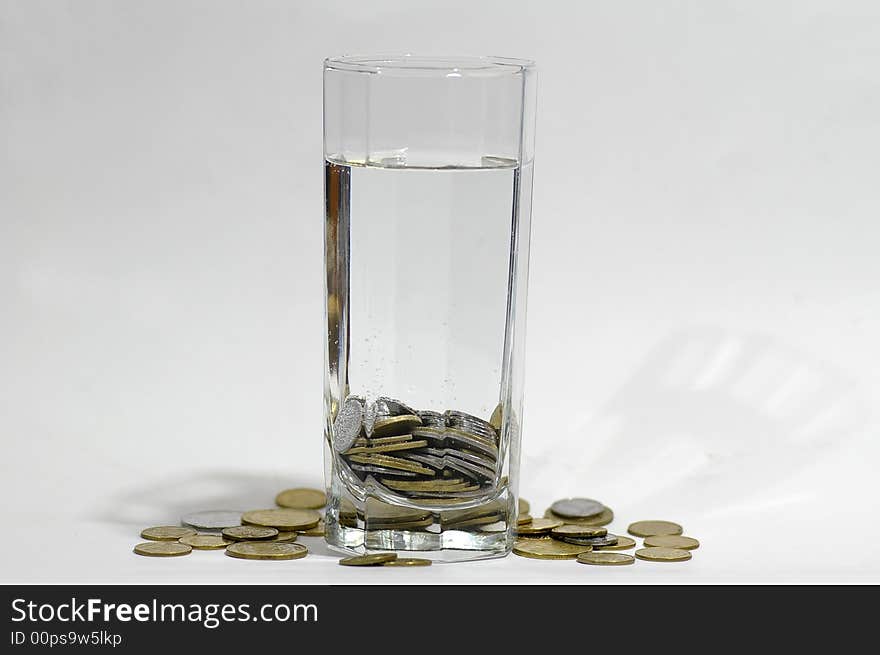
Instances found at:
x=347 y=425
x=471 y=424
x=476 y=430
x=461 y=467
x=433 y=461
x=369 y=468
x=473 y=493
x=371 y=415
x=433 y=435
x=595 y=542
x=440 y=463
x=453 y=415
x=432 y=419
x=453 y=437
x=577 y=508
x=386 y=406
x=452 y=516
x=463 y=439
x=476 y=458
x=485 y=474
x=213 y=519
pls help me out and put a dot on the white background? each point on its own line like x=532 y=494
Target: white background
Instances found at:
x=704 y=327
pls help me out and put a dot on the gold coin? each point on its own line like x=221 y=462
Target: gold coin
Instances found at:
x=301 y=499
x=398 y=438
x=377 y=441
x=569 y=530
x=653 y=528
x=472 y=522
x=663 y=554
x=605 y=559
x=264 y=550
x=547 y=548
x=162 y=549
x=386 y=447
x=373 y=524
x=538 y=526
x=523 y=506
x=408 y=561
x=443 y=493
x=492 y=508
x=523 y=519
x=205 y=541
x=317 y=531
x=283 y=537
x=378 y=510
x=495 y=419
x=288 y=520
x=347 y=509
x=391 y=462
x=394 y=425
x=623 y=543
x=443 y=484
x=166 y=533
x=373 y=559
x=249 y=533
x=604 y=517
x=672 y=541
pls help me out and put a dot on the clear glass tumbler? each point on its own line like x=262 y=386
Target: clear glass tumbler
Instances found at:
x=427 y=182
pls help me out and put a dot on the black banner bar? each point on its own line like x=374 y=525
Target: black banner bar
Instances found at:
x=384 y=618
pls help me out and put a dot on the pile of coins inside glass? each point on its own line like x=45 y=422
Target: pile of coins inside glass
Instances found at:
x=260 y=534
x=573 y=528
x=417 y=453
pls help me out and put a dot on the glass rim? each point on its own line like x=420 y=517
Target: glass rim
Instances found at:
x=429 y=65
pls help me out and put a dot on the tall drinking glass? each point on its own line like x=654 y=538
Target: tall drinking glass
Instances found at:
x=427 y=182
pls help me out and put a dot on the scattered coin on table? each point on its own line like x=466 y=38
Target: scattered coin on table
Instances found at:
x=537 y=527
x=166 y=533
x=284 y=537
x=663 y=554
x=317 y=531
x=213 y=519
x=595 y=542
x=654 y=528
x=261 y=550
x=605 y=559
x=604 y=517
x=570 y=530
x=623 y=543
x=205 y=541
x=162 y=549
x=408 y=561
x=547 y=548
x=282 y=519
x=372 y=559
x=249 y=533
x=301 y=499
x=577 y=508
x=672 y=541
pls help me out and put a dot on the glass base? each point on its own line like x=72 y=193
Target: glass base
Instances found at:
x=448 y=546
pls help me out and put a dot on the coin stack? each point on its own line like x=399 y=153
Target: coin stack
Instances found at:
x=419 y=454
x=383 y=559
x=573 y=528
x=260 y=534
x=379 y=515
